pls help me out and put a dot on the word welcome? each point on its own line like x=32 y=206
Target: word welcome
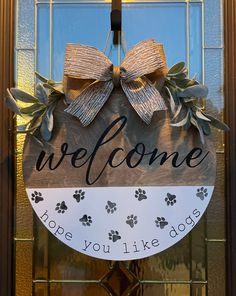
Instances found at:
x=132 y=159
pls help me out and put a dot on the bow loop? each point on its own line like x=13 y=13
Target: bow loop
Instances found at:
x=90 y=64
x=144 y=58
x=85 y=62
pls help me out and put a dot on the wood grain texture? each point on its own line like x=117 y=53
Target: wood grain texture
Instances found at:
x=158 y=134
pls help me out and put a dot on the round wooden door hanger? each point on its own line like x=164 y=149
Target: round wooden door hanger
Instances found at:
x=119 y=189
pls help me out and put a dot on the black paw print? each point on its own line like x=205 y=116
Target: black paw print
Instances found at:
x=202 y=193
x=86 y=220
x=170 y=199
x=114 y=235
x=79 y=195
x=36 y=196
x=161 y=222
x=61 y=207
x=131 y=220
x=111 y=207
x=140 y=194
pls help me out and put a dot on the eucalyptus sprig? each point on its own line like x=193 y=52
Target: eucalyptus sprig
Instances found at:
x=40 y=111
x=185 y=96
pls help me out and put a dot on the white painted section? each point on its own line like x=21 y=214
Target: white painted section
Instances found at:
x=110 y=210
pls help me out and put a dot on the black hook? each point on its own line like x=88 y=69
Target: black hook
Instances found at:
x=116 y=20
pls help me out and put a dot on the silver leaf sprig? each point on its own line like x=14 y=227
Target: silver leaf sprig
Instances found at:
x=185 y=96
x=39 y=113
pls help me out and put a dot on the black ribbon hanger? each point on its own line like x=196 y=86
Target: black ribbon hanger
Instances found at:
x=116 y=17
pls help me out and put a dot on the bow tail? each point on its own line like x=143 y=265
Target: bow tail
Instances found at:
x=143 y=97
x=90 y=101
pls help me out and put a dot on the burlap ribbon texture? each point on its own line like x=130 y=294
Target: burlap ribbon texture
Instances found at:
x=90 y=77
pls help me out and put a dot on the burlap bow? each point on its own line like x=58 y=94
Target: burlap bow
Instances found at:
x=84 y=62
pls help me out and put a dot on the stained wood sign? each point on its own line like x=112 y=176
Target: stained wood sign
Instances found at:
x=118 y=161
x=119 y=189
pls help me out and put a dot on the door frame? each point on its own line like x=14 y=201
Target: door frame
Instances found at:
x=7 y=13
x=7 y=159
x=230 y=143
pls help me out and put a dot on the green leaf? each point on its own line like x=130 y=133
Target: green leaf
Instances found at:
x=39 y=112
x=48 y=86
x=23 y=96
x=170 y=83
x=52 y=82
x=36 y=122
x=40 y=77
x=195 y=123
x=205 y=127
x=217 y=123
x=57 y=89
x=48 y=123
x=22 y=128
x=189 y=100
x=200 y=115
x=29 y=130
x=37 y=140
x=172 y=102
x=41 y=94
x=184 y=83
x=11 y=103
x=33 y=108
x=187 y=125
x=44 y=129
x=45 y=80
x=197 y=91
x=182 y=122
x=32 y=125
x=50 y=118
x=180 y=76
x=177 y=69
x=177 y=111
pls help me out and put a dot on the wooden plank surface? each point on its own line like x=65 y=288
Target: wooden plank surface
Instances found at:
x=158 y=134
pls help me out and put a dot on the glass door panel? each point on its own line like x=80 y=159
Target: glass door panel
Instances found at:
x=191 y=31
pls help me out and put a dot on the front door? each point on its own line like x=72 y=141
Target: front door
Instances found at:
x=190 y=31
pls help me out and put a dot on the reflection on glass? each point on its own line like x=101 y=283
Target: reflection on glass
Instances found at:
x=195 y=41
x=172 y=264
x=77 y=289
x=43 y=40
